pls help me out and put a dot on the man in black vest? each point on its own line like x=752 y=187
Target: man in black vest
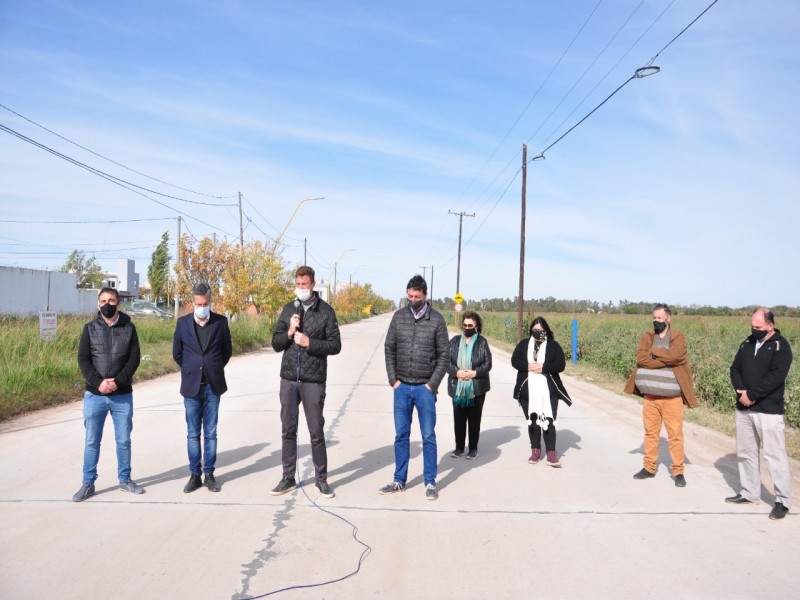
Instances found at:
x=202 y=347
x=108 y=356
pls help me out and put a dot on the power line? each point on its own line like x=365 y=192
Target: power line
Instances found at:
x=100 y=173
x=108 y=159
x=104 y=221
x=115 y=180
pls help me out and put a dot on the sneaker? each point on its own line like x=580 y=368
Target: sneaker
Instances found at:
x=738 y=499
x=391 y=488
x=286 y=484
x=644 y=474
x=211 y=483
x=552 y=459
x=86 y=491
x=536 y=456
x=132 y=487
x=473 y=454
x=778 y=511
x=194 y=483
x=324 y=489
x=430 y=492
x=680 y=481
x=457 y=453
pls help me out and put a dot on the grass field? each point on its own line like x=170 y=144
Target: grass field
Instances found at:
x=35 y=374
x=607 y=343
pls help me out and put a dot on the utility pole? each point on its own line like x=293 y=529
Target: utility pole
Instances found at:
x=430 y=287
x=522 y=241
x=241 y=224
x=177 y=271
x=423 y=272
x=305 y=251
x=460 y=216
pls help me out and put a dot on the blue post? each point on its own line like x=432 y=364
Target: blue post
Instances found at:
x=574 y=341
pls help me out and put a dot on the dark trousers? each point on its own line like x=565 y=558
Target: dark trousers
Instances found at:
x=312 y=397
x=535 y=432
x=468 y=416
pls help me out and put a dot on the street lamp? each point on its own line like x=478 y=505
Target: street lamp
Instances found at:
x=296 y=208
x=335 y=266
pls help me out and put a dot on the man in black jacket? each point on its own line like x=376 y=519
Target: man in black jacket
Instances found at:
x=758 y=375
x=307 y=333
x=202 y=347
x=417 y=356
x=108 y=356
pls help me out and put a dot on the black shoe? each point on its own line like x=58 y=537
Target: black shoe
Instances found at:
x=473 y=454
x=778 y=511
x=324 y=489
x=286 y=484
x=738 y=499
x=457 y=453
x=194 y=483
x=680 y=481
x=211 y=483
x=86 y=491
x=644 y=474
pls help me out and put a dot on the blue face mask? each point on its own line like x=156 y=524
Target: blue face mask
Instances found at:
x=202 y=312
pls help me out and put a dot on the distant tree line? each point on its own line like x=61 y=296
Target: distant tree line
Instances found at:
x=554 y=305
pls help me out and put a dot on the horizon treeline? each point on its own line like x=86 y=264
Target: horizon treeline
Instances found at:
x=627 y=307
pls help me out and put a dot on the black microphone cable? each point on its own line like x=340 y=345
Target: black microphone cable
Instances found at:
x=367 y=549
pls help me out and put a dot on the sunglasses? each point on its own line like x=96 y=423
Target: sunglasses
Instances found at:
x=468 y=326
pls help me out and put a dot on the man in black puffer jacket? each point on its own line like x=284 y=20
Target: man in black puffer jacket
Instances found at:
x=108 y=356
x=307 y=333
x=417 y=355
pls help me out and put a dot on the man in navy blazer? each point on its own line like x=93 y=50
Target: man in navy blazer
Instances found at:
x=202 y=347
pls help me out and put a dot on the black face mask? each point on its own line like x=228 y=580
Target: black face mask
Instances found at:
x=108 y=310
x=470 y=332
x=538 y=335
x=416 y=305
x=759 y=334
x=659 y=326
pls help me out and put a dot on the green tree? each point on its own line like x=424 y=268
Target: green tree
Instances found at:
x=88 y=272
x=158 y=271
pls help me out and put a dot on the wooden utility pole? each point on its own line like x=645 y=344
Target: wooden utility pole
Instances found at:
x=241 y=224
x=460 y=216
x=424 y=271
x=522 y=243
x=178 y=270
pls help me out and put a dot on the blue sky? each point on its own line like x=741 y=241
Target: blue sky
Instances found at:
x=682 y=188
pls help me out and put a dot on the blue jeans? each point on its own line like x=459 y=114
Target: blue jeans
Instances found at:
x=406 y=397
x=95 y=410
x=202 y=412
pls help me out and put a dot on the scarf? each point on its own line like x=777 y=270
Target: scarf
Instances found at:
x=465 y=390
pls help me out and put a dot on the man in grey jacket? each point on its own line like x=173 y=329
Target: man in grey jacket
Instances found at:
x=416 y=351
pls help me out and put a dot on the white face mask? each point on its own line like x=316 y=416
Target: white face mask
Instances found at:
x=302 y=294
x=202 y=312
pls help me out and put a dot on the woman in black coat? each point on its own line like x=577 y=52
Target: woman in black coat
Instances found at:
x=468 y=382
x=538 y=360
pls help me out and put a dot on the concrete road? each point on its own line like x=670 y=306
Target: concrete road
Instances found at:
x=501 y=527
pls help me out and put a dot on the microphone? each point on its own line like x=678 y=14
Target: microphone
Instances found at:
x=297 y=312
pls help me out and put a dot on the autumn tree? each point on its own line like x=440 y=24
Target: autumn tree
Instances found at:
x=158 y=271
x=88 y=272
x=203 y=260
x=239 y=276
x=257 y=276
